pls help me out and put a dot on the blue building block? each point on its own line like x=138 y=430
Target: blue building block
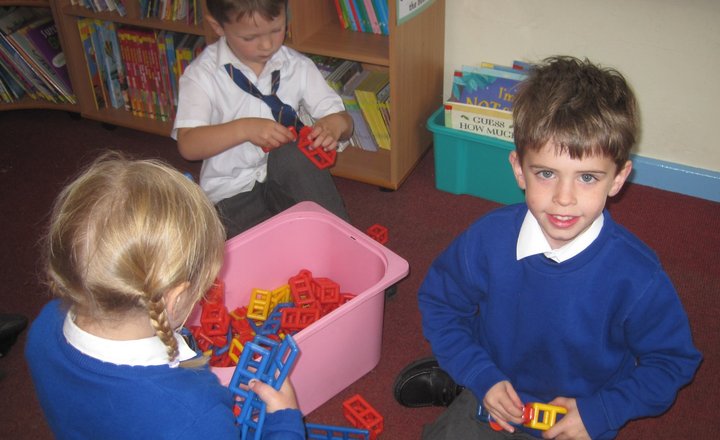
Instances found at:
x=328 y=432
x=266 y=360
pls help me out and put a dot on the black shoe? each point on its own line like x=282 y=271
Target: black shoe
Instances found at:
x=424 y=383
x=10 y=327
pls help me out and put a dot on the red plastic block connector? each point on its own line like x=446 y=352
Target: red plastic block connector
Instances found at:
x=378 y=233
x=295 y=319
x=321 y=158
x=214 y=319
x=362 y=415
x=326 y=290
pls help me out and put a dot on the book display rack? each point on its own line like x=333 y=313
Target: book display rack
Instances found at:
x=410 y=53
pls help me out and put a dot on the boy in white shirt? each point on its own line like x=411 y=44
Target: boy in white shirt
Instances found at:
x=227 y=127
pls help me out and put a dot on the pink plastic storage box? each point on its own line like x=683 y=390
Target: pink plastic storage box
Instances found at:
x=344 y=344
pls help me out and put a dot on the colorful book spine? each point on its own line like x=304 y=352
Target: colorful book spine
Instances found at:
x=372 y=16
x=381 y=7
x=85 y=29
x=355 y=15
x=106 y=57
x=17 y=69
x=362 y=15
x=367 y=97
x=38 y=65
x=353 y=24
x=172 y=65
x=110 y=34
x=341 y=16
x=362 y=135
x=126 y=50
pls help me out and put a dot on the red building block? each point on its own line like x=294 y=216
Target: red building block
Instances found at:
x=215 y=319
x=362 y=415
x=295 y=318
x=326 y=291
x=301 y=291
x=378 y=233
x=321 y=158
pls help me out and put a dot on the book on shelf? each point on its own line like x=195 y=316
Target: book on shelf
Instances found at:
x=342 y=15
x=363 y=15
x=85 y=29
x=480 y=120
x=136 y=69
x=362 y=137
x=32 y=60
x=344 y=76
x=486 y=87
x=372 y=16
x=43 y=36
x=367 y=97
x=482 y=97
x=381 y=9
x=102 y=5
x=185 y=11
x=109 y=65
x=118 y=76
x=359 y=9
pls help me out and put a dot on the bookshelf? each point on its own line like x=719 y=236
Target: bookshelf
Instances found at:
x=412 y=54
x=26 y=102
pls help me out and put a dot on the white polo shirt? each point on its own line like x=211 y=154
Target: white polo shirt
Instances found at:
x=208 y=96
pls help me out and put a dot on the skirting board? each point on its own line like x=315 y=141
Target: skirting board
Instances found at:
x=696 y=182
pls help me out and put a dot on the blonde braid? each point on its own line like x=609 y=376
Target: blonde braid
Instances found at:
x=161 y=324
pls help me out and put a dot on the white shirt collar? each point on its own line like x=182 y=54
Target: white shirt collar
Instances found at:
x=532 y=241
x=139 y=352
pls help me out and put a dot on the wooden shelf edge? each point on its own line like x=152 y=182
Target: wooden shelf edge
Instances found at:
x=334 y=41
x=123 y=118
x=29 y=104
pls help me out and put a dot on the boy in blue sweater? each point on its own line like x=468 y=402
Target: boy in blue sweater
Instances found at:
x=551 y=301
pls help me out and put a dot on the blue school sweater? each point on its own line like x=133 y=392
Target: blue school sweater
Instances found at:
x=85 y=398
x=605 y=327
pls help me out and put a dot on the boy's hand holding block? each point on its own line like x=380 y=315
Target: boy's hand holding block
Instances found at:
x=321 y=158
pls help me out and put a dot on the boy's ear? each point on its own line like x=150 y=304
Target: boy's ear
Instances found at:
x=620 y=178
x=517 y=169
x=215 y=25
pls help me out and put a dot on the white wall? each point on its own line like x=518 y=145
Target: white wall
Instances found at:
x=669 y=50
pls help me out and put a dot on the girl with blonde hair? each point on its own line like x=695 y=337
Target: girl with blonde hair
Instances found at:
x=132 y=247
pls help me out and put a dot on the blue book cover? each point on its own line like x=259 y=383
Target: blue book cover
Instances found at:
x=484 y=89
x=382 y=13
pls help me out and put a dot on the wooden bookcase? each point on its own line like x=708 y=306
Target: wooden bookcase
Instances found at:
x=413 y=55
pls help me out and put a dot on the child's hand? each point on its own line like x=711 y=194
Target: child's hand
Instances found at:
x=323 y=138
x=504 y=405
x=570 y=426
x=328 y=130
x=275 y=400
x=266 y=133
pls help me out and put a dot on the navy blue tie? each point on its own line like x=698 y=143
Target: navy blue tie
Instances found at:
x=282 y=112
